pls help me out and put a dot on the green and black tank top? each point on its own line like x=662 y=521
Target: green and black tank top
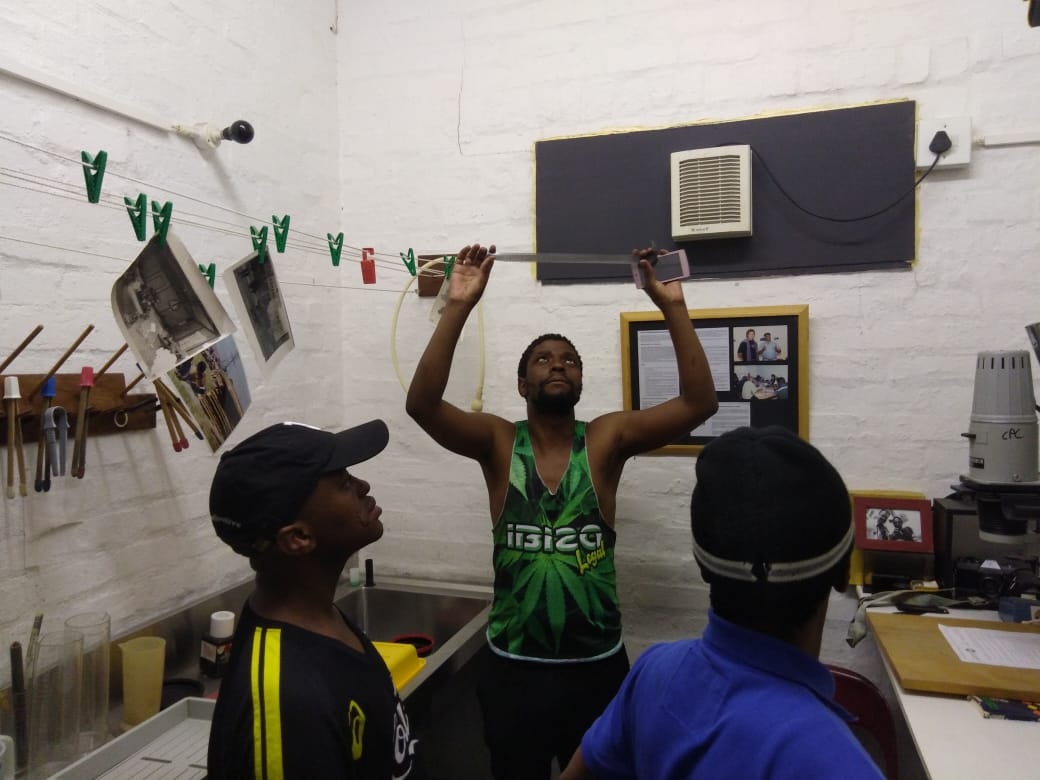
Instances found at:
x=555 y=594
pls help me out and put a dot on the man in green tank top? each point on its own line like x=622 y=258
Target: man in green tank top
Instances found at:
x=555 y=628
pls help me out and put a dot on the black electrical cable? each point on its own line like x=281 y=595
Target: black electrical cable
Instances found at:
x=879 y=212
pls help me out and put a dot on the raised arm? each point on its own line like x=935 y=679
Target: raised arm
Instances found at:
x=641 y=430
x=471 y=434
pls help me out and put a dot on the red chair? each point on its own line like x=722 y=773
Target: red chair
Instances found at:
x=863 y=699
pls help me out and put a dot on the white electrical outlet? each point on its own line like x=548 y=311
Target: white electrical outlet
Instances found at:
x=959 y=130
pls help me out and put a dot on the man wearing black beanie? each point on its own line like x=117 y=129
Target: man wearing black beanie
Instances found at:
x=772 y=534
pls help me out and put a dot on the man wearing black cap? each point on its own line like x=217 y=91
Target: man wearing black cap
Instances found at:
x=306 y=694
x=772 y=533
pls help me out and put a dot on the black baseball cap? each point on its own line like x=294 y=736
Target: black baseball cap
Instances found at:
x=261 y=484
x=768 y=506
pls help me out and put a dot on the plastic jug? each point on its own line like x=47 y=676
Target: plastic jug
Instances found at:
x=143 y=661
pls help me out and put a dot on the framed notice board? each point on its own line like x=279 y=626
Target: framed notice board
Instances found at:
x=759 y=358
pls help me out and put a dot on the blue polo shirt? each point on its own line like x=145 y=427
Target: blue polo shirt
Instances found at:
x=734 y=703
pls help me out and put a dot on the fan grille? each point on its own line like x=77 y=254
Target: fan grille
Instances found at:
x=709 y=190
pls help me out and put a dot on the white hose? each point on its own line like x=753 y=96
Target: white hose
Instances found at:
x=477 y=404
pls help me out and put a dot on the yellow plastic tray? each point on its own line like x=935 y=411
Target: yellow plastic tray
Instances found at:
x=402 y=661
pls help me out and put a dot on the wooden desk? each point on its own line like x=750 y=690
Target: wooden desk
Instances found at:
x=924 y=662
x=950 y=734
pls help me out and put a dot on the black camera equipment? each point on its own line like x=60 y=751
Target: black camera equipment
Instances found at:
x=993 y=578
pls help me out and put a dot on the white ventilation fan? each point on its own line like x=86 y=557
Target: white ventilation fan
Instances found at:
x=711 y=193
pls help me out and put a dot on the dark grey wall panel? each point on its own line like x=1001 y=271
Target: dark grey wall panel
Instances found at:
x=610 y=193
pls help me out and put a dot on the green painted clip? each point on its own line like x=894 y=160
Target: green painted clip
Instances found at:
x=409 y=261
x=138 y=215
x=209 y=272
x=259 y=242
x=94 y=173
x=281 y=231
x=449 y=264
x=335 y=247
x=161 y=219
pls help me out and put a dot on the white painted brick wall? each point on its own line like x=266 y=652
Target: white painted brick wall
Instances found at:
x=414 y=126
x=134 y=536
x=442 y=105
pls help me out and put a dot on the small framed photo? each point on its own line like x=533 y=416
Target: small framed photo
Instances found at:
x=895 y=524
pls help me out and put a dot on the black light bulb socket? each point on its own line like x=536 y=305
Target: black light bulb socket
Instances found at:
x=239 y=131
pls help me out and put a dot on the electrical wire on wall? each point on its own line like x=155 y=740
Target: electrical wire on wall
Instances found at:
x=862 y=217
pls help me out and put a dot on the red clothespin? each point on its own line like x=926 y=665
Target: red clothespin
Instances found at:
x=368 y=265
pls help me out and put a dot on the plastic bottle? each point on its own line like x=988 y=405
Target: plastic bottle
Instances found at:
x=216 y=645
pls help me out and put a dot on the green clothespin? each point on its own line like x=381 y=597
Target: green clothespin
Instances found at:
x=335 y=247
x=409 y=261
x=161 y=219
x=209 y=272
x=94 y=173
x=449 y=264
x=138 y=215
x=281 y=232
x=259 y=242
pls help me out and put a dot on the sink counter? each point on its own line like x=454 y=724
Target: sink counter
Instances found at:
x=453 y=615
x=440 y=699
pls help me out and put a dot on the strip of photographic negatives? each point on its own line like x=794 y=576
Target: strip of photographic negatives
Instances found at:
x=257 y=299
x=165 y=308
x=759 y=359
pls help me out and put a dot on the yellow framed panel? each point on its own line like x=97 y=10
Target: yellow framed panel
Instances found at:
x=778 y=393
x=861 y=564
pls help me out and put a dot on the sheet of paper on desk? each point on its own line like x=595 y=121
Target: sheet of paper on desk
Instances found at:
x=996 y=648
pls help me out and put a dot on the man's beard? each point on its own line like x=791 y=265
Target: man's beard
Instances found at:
x=556 y=403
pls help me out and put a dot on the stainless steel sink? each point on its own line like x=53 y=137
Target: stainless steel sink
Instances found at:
x=385 y=613
x=454 y=616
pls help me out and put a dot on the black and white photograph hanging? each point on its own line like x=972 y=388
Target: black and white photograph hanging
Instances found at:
x=165 y=308
x=257 y=299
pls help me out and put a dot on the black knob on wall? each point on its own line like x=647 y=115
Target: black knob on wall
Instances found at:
x=239 y=131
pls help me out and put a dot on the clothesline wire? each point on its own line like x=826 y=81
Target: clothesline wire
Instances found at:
x=117 y=202
x=80 y=163
x=73 y=192
x=60 y=248
x=365 y=288
x=70 y=192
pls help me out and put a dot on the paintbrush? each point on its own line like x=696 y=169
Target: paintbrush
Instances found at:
x=21 y=730
x=34 y=641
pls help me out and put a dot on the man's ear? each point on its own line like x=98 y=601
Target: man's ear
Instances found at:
x=295 y=539
x=521 y=386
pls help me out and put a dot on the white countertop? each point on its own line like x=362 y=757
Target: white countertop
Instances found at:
x=955 y=741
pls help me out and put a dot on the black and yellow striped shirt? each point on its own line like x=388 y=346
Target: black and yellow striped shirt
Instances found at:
x=295 y=704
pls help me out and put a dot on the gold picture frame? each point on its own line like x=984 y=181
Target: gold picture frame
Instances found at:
x=770 y=389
